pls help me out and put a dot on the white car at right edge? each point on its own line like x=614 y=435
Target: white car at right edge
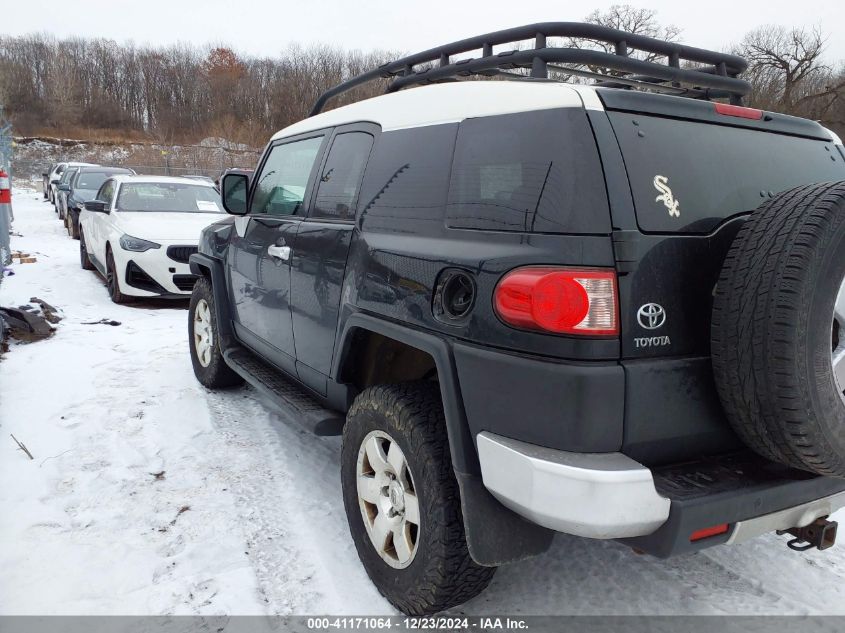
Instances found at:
x=139 y=232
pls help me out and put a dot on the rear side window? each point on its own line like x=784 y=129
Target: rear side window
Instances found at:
x=534 y=172
x=689 y=176
x=407 y=180
x=340 y=181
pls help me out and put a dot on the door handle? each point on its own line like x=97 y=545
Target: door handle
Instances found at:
x=279 y=252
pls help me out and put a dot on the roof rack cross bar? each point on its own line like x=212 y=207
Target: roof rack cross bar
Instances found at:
x=718 y=76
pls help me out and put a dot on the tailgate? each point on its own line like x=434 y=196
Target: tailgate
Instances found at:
x=694 y=174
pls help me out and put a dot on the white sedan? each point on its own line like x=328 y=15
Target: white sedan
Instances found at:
x=139 y=232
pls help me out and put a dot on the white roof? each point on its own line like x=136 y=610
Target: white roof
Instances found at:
x=124 y=178
x=452 y=102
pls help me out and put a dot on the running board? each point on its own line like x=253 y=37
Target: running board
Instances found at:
x=292 y=399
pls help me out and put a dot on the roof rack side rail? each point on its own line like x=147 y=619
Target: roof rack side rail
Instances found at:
x=717 y=78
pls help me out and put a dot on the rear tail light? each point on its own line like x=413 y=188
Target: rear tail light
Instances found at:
x=715 y=530
x=739 y=111
x=559 y=300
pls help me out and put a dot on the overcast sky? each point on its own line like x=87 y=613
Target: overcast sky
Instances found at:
x=266 y=27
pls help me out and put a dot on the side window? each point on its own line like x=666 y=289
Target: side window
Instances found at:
x=407 y=179
x=280 y=187
x=533 y=172
x=106 y=192
x=340 y=182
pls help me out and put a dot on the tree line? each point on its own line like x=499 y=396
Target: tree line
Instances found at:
x=97 y=88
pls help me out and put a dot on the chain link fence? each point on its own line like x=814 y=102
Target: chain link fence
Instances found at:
x=32 y=158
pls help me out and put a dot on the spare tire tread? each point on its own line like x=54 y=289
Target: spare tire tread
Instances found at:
x=760 y=318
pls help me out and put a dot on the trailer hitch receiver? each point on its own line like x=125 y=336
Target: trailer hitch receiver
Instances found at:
x=821 y=534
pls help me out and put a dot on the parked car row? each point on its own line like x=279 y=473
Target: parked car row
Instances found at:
x=137 y=231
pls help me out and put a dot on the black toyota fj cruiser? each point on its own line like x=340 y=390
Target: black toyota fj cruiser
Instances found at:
x=612 y=310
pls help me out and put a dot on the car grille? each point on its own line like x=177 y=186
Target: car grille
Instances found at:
x=181 y=253
x=184 y=282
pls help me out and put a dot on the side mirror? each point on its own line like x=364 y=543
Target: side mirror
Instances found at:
x=55 y=181
x=96 y=205
x=64 y=187
x=44 y=174
x=233 y=192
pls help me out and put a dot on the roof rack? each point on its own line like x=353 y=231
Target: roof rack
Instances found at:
x=715 y=78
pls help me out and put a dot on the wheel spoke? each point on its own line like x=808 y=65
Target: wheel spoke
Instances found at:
x=380 y=532
x=375 y=455
x=368 y=488
x=395 y=458
x=839 y=368
x=839 y=308
x=402 y=542
x=412 y=508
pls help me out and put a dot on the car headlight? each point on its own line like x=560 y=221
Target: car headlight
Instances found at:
x=129 y=243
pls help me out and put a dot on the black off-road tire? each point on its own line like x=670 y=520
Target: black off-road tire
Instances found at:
x=772 y=329
x=217 y=375
x=84 y=260
x=442 y=574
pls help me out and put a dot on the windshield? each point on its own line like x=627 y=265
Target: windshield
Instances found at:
x=168 y=196
x=93 y=179
x=68 y=175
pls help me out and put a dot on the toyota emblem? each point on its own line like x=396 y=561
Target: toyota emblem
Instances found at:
x=651 y=316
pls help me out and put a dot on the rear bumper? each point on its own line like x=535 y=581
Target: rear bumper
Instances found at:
x=798 y=516
x=611 y=496
x=598 y=495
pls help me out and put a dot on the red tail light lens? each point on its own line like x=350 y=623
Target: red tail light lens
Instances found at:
x=715 y=530
x=559 y=300
x=741 y=112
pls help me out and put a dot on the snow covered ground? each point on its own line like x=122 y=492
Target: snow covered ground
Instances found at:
x=150 y=495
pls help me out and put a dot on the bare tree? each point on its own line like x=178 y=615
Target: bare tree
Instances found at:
x=625 y=17
x=785 y=65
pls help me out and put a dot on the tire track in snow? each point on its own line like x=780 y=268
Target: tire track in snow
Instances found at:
x=292 y=511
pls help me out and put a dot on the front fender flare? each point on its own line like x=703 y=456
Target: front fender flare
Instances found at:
x=213 y=268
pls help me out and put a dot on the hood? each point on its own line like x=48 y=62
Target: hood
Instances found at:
x=165 y=226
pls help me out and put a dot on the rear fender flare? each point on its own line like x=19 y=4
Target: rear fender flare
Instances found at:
x=495 y=535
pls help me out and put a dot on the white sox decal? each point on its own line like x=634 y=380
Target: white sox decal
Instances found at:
x=661 y=183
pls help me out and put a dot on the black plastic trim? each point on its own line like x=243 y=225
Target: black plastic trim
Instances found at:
x=760 y=488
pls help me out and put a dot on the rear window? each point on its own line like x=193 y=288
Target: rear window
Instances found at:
x=534 y=172
x=689 y=177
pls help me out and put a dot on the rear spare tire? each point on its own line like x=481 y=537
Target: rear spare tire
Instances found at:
x=778 y=330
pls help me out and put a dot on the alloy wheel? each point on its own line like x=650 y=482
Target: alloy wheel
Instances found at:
x=388 y=499
x=203 y=333
x=838 y=341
